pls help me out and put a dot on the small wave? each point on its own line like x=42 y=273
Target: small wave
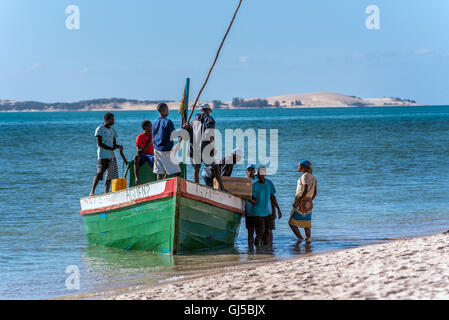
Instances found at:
x=171 y=279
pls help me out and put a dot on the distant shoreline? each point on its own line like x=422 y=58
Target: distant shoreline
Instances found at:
x=230 y=108
x=292 y=101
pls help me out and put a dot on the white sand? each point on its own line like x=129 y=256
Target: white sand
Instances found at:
x=405 y=269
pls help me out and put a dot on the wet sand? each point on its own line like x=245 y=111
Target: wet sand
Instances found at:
x=415 y=268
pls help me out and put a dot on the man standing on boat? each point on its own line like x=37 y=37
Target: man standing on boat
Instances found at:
x=106 y=144
x=145 y=150
x=201 y=137
x=165 y=162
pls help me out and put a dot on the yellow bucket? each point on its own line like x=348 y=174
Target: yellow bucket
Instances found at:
x=118 y=184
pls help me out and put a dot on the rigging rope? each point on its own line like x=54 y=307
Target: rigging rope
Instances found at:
x=215 y=61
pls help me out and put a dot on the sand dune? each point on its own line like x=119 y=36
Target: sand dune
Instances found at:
x=307 y=100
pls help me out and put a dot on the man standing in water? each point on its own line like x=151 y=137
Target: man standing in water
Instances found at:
x=259 y=219
x=306 y=190
x=271 y=219
x=106 y=144
x=251 y=172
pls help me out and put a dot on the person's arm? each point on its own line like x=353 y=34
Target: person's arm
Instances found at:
x=120 y=147
x=141 y=149
x=102 y=145
x=123 y=156
x=314 y=193
x=275 y=205
x=217 y=175
x=117 y=146
x=299 y=196
x=253 y=200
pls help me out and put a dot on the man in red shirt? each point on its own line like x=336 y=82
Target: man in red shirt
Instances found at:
x=145 y=150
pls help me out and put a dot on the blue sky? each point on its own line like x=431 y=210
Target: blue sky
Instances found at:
x=144 y=49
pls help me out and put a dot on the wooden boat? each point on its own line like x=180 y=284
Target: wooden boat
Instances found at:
x=170 y=216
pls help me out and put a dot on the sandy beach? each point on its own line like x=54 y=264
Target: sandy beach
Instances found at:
x=416 y=268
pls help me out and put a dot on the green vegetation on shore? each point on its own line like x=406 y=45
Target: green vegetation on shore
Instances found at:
x=114 y=103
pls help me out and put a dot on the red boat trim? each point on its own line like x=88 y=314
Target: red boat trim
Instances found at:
x=185 y=194
x=130 y=203
x=170 y=191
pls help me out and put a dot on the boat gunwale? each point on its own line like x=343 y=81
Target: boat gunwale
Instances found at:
x=179 y=184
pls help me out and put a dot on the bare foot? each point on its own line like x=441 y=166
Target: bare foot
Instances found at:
x=137 y=182
x=91 y=194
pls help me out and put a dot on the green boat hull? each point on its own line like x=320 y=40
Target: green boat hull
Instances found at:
x=169 y=225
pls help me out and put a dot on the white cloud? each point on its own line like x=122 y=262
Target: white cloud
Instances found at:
x=423 y=51
x=84 y=71
x=357 y=56
x=243 y=59
x=34 y=66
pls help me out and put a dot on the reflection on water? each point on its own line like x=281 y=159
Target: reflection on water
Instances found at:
x=115 y=268
x=110 y=268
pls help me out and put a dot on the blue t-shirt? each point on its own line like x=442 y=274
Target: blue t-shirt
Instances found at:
x=262 y=192
x=162 y=129
x=107 y=137
x=273 y=191
x=249 y=205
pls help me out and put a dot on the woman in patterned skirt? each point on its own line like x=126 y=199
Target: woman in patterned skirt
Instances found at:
x=301 y=215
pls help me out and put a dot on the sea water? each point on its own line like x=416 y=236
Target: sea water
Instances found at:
x=383 y=174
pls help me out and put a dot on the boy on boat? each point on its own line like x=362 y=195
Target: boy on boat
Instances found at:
x=165 y=162
x=221 y=169
x=106 y=144
x=145 y=149
x=306 y=190
x=201 y=139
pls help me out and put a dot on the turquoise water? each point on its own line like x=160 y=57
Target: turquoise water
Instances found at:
x=382 y=173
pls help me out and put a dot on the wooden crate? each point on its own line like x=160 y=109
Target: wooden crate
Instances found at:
x=241 y=187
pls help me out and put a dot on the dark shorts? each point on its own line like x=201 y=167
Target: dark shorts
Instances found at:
x=208 y=181
x=146 y=158
x=196 y=165
x=255 y=222
x=270 y=222
x=102 y=166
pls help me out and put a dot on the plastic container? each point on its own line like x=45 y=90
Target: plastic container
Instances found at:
x=118 y=184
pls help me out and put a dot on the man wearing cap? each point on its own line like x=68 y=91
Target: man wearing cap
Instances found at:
x=260 y=219
x=221 y=169
x=251 y=172
x=201 y=138
x=249 y=221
